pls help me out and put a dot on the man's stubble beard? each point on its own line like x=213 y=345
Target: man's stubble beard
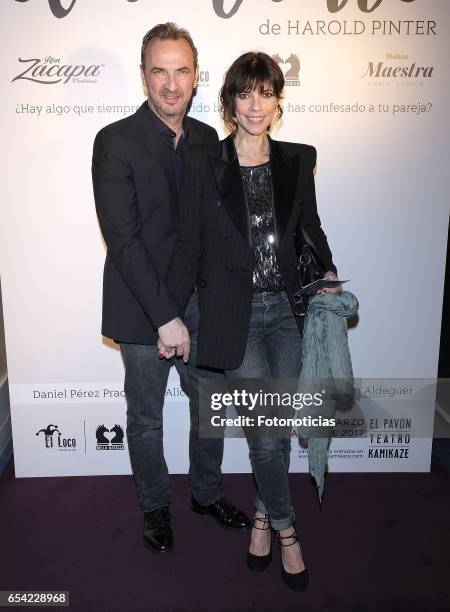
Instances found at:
x=161 y=112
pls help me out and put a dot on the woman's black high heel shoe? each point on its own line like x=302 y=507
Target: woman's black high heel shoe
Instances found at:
x=300 y=580
x=258 y=563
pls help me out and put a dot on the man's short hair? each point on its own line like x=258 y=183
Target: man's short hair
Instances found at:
x=167 y=31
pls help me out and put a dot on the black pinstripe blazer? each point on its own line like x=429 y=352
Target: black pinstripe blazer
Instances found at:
x=214 y=251
x=136 y=201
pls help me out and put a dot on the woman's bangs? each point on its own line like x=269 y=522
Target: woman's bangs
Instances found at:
x=256 y=76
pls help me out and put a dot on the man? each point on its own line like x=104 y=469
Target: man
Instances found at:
x=137 y=172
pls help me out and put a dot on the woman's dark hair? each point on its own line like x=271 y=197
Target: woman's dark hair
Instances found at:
x=249 y=71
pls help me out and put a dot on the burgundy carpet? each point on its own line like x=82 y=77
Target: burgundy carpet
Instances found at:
x=380 y=543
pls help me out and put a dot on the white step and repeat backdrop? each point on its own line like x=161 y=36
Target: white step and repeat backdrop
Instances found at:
x=367 y=84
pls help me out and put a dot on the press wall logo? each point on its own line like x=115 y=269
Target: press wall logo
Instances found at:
x=114 y=442
x=60 y=11
x=53 y=438
x=51 y=70
x=333 y=6
x=291 y=74
x=396 y=66
x=203 y=78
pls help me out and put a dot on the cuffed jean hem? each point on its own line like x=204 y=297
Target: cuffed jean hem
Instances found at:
x=277 y=524
x=203 y=501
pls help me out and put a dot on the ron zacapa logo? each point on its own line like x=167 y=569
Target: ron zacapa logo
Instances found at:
x=50 y=71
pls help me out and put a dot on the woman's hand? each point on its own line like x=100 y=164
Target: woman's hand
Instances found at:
x=174 y=340
x=330 y=276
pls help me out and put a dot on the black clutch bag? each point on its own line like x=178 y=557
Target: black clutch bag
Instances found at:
x=310 y=269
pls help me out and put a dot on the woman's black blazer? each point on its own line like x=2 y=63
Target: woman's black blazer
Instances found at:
x=214 y=251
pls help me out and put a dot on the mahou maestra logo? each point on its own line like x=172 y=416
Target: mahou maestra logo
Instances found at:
x=396 y=66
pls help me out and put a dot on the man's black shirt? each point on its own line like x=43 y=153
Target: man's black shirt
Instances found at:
x=169 y=136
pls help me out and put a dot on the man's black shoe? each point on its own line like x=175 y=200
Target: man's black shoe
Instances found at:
x=224 y=512
x=157 y=531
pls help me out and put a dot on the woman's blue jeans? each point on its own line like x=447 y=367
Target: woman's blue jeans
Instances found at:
x=273 y=351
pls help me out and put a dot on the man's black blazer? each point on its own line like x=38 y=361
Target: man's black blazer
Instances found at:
x=136 y=200
x=214 y=248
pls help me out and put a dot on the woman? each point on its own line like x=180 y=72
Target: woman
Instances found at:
x=241 y=207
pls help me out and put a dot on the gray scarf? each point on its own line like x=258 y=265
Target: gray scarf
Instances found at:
x=326 y=367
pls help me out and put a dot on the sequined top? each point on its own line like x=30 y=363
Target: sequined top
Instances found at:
x=257 y=181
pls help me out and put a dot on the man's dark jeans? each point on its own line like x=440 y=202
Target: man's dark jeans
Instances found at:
x=145 y=385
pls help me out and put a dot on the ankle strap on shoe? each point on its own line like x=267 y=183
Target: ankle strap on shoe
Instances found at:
x=264 y=520
x=294 y=537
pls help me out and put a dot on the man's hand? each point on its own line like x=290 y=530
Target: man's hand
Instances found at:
x=174 y=340
x=330 y=276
